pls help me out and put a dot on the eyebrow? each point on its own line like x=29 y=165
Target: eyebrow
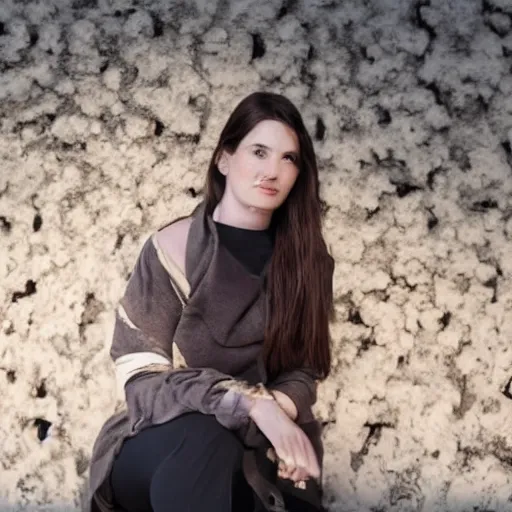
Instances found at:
x=262 y=146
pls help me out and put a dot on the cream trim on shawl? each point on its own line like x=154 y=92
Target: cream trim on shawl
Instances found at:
x=137 y=362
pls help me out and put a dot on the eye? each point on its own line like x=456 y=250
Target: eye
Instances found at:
x=291 y=158
x=259 y=152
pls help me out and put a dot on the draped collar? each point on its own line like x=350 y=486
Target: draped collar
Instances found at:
x=230 y=300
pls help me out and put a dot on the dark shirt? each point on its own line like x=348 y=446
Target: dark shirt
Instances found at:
x=253 y=248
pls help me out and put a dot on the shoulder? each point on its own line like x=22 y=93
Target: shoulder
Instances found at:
x=172 y=239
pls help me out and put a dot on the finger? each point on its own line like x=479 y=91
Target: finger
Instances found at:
x=282 y=468
x=303 y=457
x=300 y=450
x=312 y=462
x=286 y=453
x=298 y=474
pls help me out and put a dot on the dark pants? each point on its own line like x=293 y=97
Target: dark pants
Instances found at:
x=189 y=464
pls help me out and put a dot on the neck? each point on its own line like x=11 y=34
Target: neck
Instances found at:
x=240 y=216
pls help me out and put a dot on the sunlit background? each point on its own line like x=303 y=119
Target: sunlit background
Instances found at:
x=109 y=112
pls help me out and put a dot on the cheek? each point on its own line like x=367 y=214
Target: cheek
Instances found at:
x=243 y=168
x=291 y=178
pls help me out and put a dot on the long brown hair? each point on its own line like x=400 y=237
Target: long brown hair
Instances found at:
x=299 y=284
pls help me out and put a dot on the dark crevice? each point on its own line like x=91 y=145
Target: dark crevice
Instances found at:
x=485 y=205
x=507 y=148
x=389 y=161
x=286 y=8
x=467 y=399
x=93 y=307
x=431 y=176
x=500 y=31
x=81 y=463
x=2 y=29
x=433 y=221
x=34 y=36
x=159 y=128
x=404 y=189
x=37 y=223
x=445 y=320
x=422 y=24
x=188 y=137
x=11 y=376
x=366 y=57
x=493 y=284
x=355 y=317
x=119 y=241
x=258 y=46
x=192 y=192
x=402 y=361
x=383 y=116
x=373 y=437
x=488 y=8
x=30 y=289
x=41 y=390
x=319 y=129
x=43 y=426
x=85 y=4
x=311 y=52
x=366 y=343
x=506 y=391
x=104 y=66
x=158 y=25
x=433 y=87
x=128 y=12
x=372 y=213
x=5 y=225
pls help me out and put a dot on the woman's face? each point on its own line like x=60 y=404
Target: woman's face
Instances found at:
x=264 y=167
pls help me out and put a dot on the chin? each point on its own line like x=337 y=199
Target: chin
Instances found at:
x=268 y=205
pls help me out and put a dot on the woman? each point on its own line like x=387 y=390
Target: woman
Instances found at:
x=222 y=333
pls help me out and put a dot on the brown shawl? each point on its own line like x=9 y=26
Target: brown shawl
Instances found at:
x=190 y=343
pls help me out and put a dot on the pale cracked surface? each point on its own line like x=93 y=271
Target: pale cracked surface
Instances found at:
x=108 y=116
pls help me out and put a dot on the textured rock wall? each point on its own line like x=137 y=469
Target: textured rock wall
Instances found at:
x=108 y=116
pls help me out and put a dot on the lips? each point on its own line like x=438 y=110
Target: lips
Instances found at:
x=268 y=190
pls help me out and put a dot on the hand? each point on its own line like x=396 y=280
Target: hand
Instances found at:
x=291 y=444
x=294 y=474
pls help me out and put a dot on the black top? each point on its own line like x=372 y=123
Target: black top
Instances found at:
x=253 y=248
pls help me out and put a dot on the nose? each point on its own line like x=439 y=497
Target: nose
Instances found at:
x=272 y=169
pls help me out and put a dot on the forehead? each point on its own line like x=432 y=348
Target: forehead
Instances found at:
x=273 y=134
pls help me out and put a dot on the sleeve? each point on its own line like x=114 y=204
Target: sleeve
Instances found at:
x=300 y=386
x=155 y=391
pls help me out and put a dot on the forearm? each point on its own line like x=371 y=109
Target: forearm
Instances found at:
x=299 y=388
x=156 y=398
x=286 y=404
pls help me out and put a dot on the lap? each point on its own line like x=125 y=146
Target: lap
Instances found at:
x=190 y=444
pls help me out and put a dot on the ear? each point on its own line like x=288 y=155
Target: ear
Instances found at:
x=223 y=163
